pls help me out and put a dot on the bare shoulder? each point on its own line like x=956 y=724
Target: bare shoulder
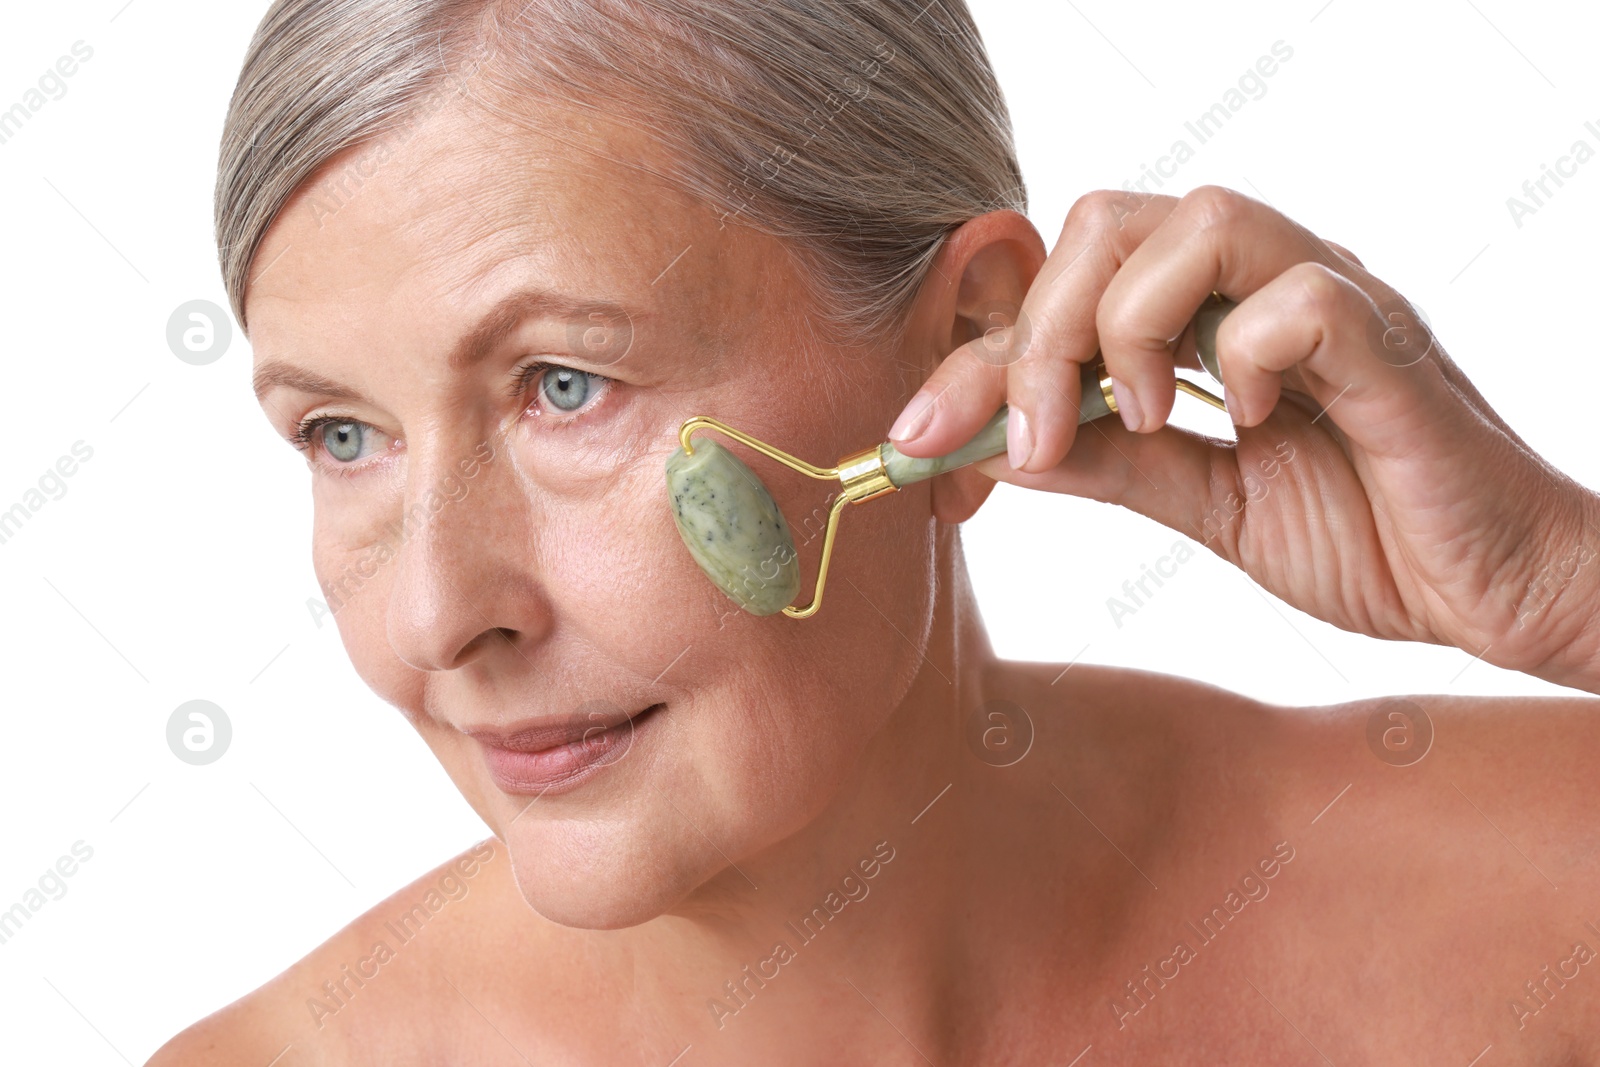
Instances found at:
x=1462 y=791
x=351 y=986
x=1501 y=763
x=1454 y=837
x=1467 y=797
x=1154 y=717
x=1540 y=752
x=1436 y=854
x=1518 y=776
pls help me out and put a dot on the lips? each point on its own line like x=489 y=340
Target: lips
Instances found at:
x=555 y=757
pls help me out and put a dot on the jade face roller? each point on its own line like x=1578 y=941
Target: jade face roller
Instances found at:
x=734 y=529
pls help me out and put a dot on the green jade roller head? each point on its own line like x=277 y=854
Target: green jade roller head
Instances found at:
x=737 y=534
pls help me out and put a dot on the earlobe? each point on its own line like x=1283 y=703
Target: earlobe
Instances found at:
x=957 y=495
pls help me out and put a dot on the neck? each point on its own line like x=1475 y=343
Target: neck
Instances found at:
x=873 y=887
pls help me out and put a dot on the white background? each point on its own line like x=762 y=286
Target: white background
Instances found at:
x=177 y=564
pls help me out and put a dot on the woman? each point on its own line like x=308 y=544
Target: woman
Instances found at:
x=491 y=256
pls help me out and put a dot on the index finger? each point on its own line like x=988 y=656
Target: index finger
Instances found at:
x=1057 y=318
x=1101 y=232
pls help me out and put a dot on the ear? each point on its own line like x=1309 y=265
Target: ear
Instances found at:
x=978 y=280
x=980 y=275
x=957 y=495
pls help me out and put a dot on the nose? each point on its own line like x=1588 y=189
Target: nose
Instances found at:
x=463 y=587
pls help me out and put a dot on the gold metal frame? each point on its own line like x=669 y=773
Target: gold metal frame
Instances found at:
x=861 y=477
x=1183 y=385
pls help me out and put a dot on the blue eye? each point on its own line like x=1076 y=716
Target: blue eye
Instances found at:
x=348 y=440
x=561 y=388
x=566 y=389
x=342 y=438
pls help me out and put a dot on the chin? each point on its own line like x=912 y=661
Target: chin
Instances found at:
x=602 y=876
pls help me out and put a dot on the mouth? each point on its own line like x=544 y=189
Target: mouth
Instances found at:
x=551 y=759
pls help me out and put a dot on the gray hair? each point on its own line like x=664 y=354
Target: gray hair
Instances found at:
x=859 y=131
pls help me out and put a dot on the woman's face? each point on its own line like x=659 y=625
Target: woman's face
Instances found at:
x=495 y=539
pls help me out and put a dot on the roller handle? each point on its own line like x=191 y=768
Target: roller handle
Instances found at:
x=991 y=440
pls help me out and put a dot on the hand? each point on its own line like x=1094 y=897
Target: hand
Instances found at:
x=1371 y=485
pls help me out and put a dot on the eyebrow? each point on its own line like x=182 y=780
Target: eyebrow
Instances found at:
x=490 y=332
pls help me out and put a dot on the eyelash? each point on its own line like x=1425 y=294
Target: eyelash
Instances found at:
x=305 y=434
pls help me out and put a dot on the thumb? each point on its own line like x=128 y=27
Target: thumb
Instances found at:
x=1167 y=475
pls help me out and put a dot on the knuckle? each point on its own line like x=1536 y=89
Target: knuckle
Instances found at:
x=1102 y=211
x=1320 y=291
x=1092 y=214
x=1097 y=206
x=1215 y=206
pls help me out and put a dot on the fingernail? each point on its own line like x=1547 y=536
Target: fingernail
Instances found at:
x=1232 y=403
x=1127 y=405
x=1019 y=438
x=914 y=419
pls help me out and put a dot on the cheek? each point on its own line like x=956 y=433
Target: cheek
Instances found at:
x=785 y=706
x=356 y=540
x=795 y=700
x=351 y=550
x=603 y=548
x=614 y=440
